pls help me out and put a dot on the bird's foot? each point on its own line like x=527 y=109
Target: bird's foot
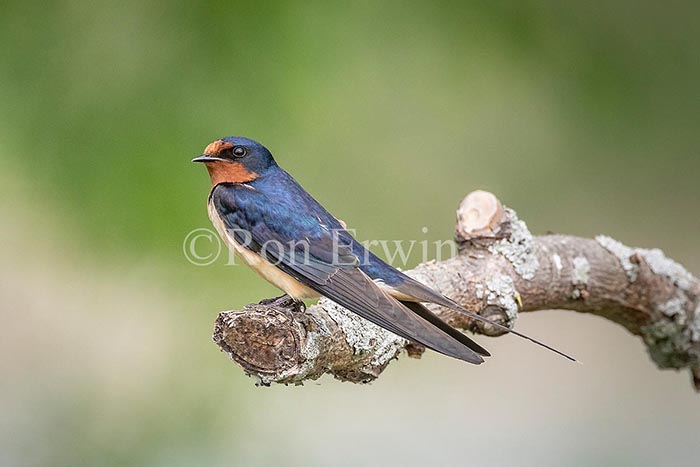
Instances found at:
x=284 y=301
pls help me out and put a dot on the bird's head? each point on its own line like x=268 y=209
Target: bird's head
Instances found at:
x=235 y=159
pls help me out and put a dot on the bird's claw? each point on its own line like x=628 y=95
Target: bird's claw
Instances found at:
x=284 y=301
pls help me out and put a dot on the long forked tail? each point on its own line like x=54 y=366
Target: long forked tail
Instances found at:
x=452 y=305
x=424 y=293
x=419 y=292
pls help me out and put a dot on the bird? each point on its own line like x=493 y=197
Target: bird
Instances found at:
x=280 y=231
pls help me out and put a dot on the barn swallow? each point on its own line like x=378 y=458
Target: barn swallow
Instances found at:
x=278 y=229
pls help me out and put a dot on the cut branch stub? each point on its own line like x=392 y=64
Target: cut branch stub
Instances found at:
x=480 y=216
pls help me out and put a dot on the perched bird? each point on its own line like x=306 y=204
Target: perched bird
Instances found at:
x=288 y=238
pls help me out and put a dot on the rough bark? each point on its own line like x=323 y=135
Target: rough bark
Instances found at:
x=501 y=270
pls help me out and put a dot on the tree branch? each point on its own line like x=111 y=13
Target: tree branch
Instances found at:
x=501 y=270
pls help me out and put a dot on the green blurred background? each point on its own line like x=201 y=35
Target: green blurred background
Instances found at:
x=584 y=116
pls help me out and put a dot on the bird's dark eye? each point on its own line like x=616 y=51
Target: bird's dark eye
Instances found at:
x=239 y=151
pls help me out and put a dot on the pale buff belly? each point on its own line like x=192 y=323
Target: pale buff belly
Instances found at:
x=265 y=269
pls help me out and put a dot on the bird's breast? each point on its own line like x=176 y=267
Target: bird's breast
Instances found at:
x=264 y=268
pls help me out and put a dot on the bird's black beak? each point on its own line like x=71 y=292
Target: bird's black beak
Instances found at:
x=207 y=158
